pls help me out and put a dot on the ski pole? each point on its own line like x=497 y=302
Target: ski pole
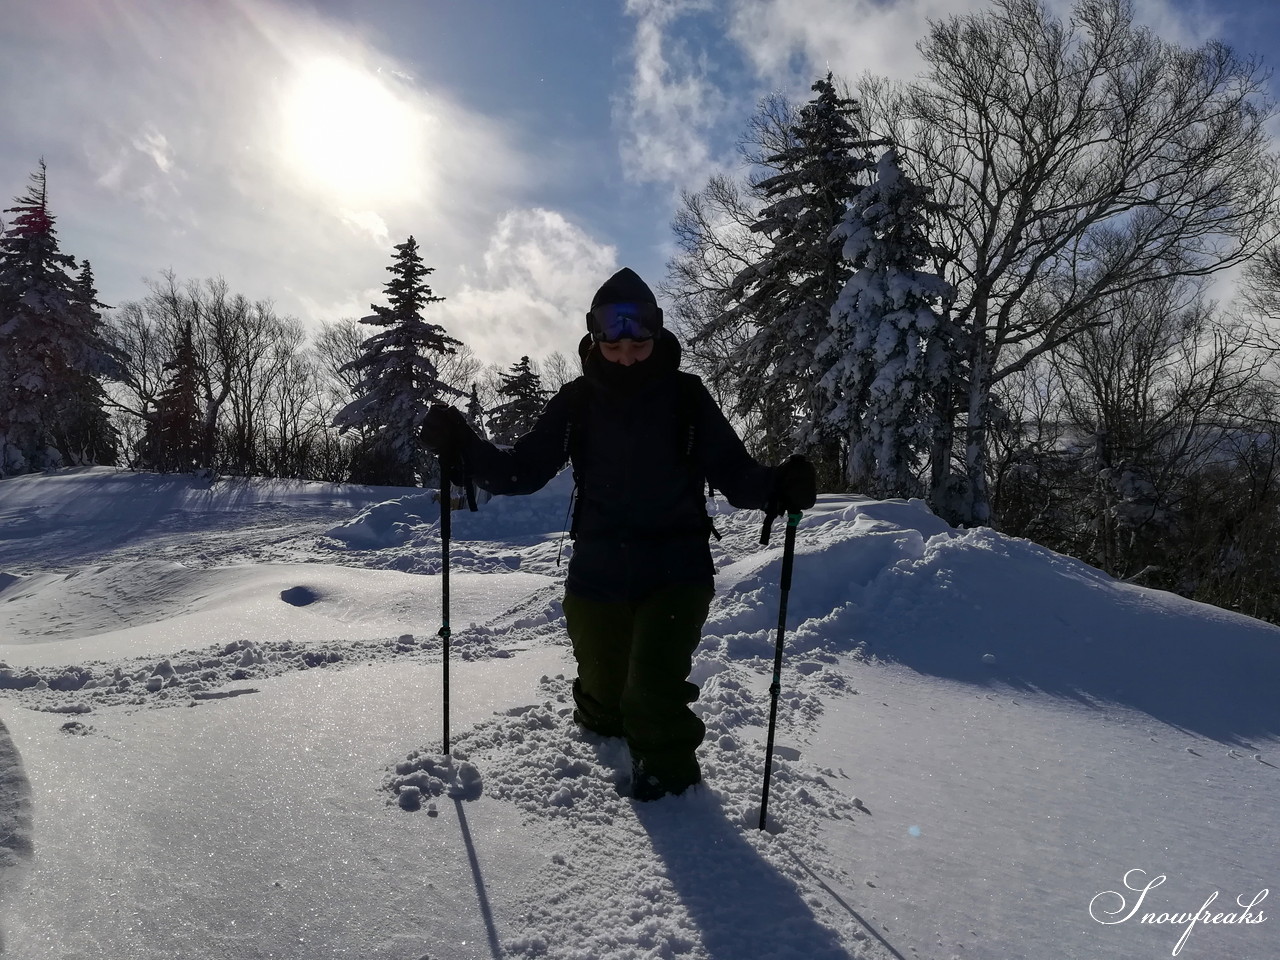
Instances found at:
x=446 y=529
x=788 y=558
x=447 y=472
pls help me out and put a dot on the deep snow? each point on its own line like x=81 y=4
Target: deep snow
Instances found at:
x=218 y=700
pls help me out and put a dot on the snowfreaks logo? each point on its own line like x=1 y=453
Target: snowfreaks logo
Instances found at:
x=1123 y=912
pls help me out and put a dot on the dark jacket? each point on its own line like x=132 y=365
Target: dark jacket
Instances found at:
x=642 y=520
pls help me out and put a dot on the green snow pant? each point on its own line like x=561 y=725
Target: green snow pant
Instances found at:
x=633 y=675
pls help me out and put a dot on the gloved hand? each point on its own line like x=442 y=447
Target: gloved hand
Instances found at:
x=444 y=432
x=795 y=486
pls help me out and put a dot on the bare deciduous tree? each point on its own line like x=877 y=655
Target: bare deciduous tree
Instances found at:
x=713 y=230
x=556 y=370
x=460 y=369
x=1078 y=161
x=243 y=355
x=1128 y=445
x=336 y=345
x=145 y=346
x=264 y=348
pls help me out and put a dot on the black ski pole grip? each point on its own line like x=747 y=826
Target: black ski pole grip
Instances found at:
x=770 y=515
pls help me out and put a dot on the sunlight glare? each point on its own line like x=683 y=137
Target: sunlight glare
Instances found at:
x=347 y=132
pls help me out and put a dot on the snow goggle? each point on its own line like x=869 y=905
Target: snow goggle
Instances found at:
x=611 y=322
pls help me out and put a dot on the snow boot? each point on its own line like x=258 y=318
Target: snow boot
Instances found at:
x=645 y=786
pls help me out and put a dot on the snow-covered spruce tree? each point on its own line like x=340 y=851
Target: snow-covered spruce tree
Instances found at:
x=887 y=354
x=173 y=438
x=785 y=298
x=50 y=344
x=83 y=430
x=399 y=377
x=523 y=399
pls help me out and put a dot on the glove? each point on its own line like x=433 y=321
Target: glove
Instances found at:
x=444 y=432
x=795 y=485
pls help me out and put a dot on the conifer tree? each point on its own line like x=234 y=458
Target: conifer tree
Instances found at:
x=475 y=417
x=84 y=432
x=172 y=441
x=50 y=345
x=888 y=354
x=399 y=376
x=784 y=299
x=524 y=402
x=475 y=411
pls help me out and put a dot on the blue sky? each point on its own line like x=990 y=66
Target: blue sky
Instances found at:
x=531 y=146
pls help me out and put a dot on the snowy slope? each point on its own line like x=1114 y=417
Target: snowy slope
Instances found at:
x=211 y=694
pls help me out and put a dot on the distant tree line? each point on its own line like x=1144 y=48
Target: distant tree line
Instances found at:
x=193 y=377
x=989 y=288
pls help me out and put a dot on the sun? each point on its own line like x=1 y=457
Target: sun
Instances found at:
x=347 y=131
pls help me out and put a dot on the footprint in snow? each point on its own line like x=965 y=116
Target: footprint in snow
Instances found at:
x=299 y=596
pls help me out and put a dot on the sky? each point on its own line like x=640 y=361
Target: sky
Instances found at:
x=532 y=147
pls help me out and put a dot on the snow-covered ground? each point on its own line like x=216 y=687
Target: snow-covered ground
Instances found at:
x=217 y=700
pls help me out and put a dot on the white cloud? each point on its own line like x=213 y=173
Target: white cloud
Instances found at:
x=853 y=37
x=1187 y=24
x=673 y=112
x=155 y=145
x=368 y=222
x=848 y=37
x=540 y=272
x=251 y=139
x=665 y=116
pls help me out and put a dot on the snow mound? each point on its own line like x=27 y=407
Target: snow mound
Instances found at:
x=414 y=521
x=387 y=524
x=128 y=609
x=87 y=514
x=889 y=580
x=540 y=514
x=432 y=775
x=93 y=599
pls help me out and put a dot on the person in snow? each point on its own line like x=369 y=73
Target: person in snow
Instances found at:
x=642 y=437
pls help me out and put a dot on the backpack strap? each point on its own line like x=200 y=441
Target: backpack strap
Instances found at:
x=575 y=430
x=688 y=406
